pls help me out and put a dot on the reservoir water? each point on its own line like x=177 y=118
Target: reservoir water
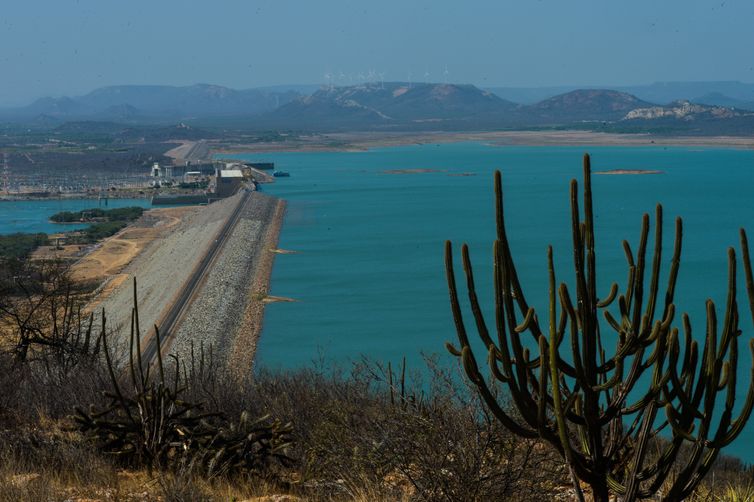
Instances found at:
x=32 y=216
x=368 y=230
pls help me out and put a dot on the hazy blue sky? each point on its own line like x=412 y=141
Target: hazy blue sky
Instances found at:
x=68 y=47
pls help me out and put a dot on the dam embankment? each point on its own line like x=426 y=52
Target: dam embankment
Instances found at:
x=225 y=306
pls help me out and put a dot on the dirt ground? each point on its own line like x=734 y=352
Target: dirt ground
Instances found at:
x=116 y=252
x=361 y=141
x=106 y=259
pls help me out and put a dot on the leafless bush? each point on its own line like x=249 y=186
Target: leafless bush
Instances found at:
x=372 y=428
x=41 y=316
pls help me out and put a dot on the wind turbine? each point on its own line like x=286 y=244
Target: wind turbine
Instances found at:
x=445 y=74
x=382 y=80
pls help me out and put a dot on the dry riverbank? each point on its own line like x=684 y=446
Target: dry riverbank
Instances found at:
x=356 y=141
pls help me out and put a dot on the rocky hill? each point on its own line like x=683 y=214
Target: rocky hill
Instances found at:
x=684 y=110
x=685 y=117
x=395 y=104
x=585 y=105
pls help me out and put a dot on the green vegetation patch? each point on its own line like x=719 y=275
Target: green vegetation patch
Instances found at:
x=19 y=246
x=106 y=215
x=97 y=232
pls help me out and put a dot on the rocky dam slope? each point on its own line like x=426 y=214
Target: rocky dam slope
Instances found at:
x=225 y=311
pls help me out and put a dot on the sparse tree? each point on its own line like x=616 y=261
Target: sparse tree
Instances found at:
x=41 y=314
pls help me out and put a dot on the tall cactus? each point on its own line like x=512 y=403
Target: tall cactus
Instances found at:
x=604 y=414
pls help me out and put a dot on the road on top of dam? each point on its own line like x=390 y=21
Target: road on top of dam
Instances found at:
x=169 y=323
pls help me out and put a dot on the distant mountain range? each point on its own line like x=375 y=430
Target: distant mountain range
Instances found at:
x=719 y=108
x=134 y=103
x=724 y=93
x=404 y=106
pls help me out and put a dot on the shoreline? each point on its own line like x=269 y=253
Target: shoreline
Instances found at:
x=364 y=141
x=21 y=196
x=250 y=328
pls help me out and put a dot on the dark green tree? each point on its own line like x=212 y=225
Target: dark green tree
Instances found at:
x=603 y=412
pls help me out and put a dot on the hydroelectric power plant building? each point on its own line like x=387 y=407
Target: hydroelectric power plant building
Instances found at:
x=228 y=182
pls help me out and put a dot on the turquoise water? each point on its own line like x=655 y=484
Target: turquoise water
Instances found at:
x=368 y=273
x=32 y=216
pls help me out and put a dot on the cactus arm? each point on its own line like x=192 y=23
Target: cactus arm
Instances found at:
x=506 y=321
x=526 y=323
x=605 y=302
x=455 y=306
x=476 y=378
x=543 y=421
x=740 y=421
x=159 y=355
x=612 y=321
x=655 y=274
x=629 y=294
x=500 y=314
x=131 y=361
x=503 y=238
x=558 y=409
x=730 y=304
x=492 y=360
x=473 y=299
x=638 y=283
x=452 y=349
x=565 y=302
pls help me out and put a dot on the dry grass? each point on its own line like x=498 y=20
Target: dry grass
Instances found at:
x=360 y=435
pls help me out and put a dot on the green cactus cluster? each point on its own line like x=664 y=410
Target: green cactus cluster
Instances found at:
x=147 y=422
x=645 y=420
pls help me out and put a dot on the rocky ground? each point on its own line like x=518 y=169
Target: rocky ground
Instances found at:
x=218 y=312
x=162 y=268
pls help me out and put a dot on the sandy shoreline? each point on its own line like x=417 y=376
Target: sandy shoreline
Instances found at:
x=355 y=142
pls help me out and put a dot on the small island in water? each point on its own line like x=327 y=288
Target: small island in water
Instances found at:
x=629 y=171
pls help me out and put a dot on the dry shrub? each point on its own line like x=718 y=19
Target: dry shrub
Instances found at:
x=371 y=430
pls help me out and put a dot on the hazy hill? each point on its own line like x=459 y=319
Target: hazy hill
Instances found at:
x=715 y=98
x=530 y=95
x=657 y=92
x=585 y=105
x=394 y=104
x=156 y=102
x=52 y=107
x=667 y=92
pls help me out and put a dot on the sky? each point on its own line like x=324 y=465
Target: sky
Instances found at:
x=70 y=47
